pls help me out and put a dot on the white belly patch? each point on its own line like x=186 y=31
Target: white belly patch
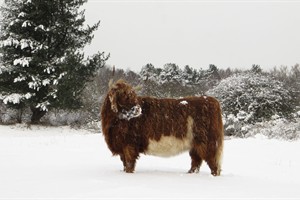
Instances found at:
x=170 y=145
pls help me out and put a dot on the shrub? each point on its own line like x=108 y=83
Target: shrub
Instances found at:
x=247 y=98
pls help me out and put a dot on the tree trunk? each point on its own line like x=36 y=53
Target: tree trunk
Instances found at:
x=37 y=114
x=19 y=115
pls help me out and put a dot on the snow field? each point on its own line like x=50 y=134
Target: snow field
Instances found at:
x=60 y=162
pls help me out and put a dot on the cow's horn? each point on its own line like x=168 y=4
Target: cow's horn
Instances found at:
x=138 y=88
x=110 y=83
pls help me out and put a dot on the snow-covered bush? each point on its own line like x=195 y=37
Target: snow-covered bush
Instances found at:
x=62 y=118
x=247 y=98
x=278 y=128
x=12 y=116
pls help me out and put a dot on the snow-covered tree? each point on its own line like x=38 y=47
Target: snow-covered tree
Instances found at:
x=175 y=82
x=209 y=78
x=256 y=69
x=41 y=51
x=170 y=73
x=189 y=75
x=149 y=72
x=291 y=77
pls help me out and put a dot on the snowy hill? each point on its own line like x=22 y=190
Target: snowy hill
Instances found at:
x=60 y=162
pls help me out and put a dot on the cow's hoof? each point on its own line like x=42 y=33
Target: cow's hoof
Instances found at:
x=218 y=173
x=193 y=170
x=129 y=171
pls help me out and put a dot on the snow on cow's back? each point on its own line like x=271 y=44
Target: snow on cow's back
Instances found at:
x=183 y=102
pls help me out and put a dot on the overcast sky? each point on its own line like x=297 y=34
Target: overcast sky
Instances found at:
x=233 y=34
x=236 y=33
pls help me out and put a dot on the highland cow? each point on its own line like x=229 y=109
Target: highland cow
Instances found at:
x=134 y=124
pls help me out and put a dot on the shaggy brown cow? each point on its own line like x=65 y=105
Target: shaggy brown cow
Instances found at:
x=133 y=124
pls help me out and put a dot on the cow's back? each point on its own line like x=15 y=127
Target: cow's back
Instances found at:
x=175 y=124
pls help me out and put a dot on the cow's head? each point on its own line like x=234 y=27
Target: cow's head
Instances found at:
x=123 y=100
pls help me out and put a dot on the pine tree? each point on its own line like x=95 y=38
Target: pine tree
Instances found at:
x=41 y=53
x=149 y=72
x=256 y=69
x=170 y=73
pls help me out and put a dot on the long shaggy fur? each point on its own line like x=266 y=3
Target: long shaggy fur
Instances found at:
x=134 y=124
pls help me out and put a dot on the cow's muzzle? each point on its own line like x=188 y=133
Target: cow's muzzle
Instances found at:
x=134 y=112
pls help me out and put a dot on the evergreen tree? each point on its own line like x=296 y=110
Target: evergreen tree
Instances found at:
x=41 y=54
x=188 y=75
x=170 y=73
x=149 y=72
x=256 y=69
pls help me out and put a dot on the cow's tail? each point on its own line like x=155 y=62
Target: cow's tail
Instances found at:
x=219 y=144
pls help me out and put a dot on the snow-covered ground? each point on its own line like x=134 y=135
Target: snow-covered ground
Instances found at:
x=58 y=163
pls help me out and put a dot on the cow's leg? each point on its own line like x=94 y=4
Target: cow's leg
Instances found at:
x=215 y=171
x=122 y=157
x=213 y=160
x=130 y=155
x=196 y=161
